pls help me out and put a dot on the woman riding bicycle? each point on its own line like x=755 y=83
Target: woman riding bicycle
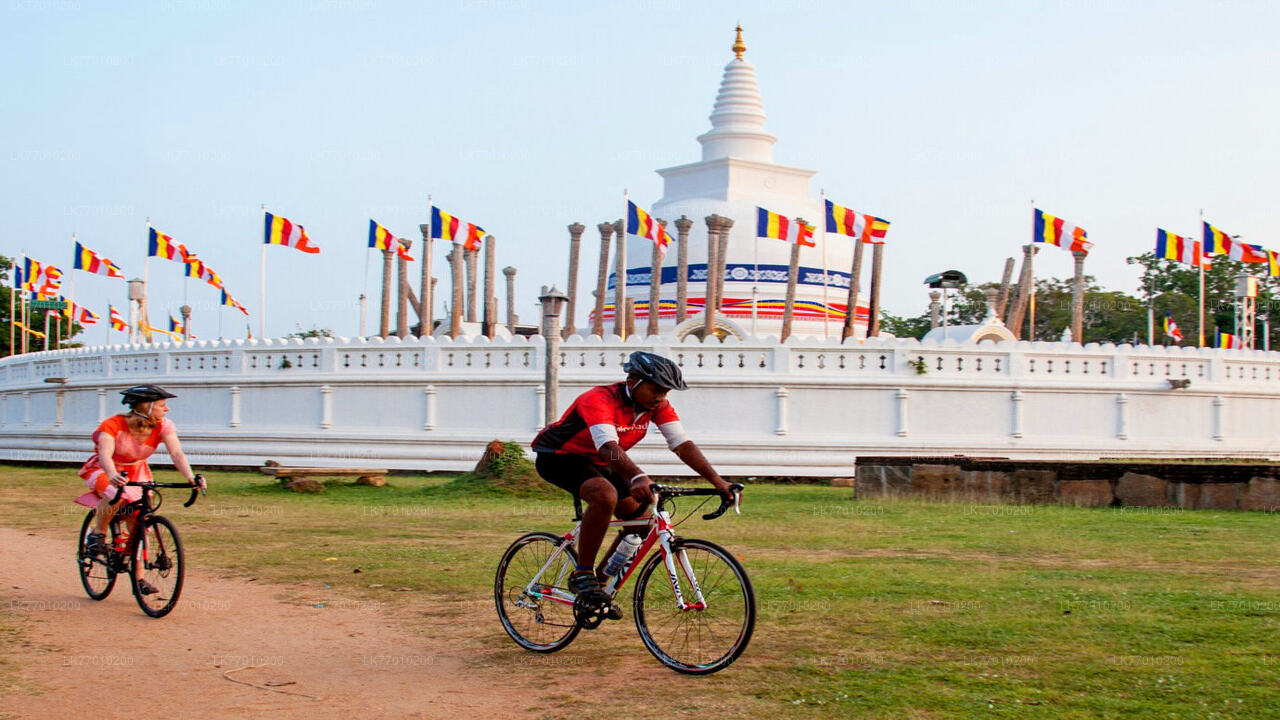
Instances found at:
x=123 y=443
x=585 y=454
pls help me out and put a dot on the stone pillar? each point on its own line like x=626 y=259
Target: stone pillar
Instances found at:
x=851 y=303
x=426 y=286
x=683 y=225
x=402 y=303
x=602 y=280
x=455 y=301
x=990 y=295
x=510 y=272
x=472 y=272
x=1077 y=297
x=722 y=252
x=793 y=275
x=935 y=309
x=185 y=310
x=1018 y=312
x=575 y=244
x=655 y=283
x=620 y=280
x=713 y=263
x=877 y=262
x=1005 y=281
x=384 y=325
x=490 y=292
x=552 y=300
x=631 y=316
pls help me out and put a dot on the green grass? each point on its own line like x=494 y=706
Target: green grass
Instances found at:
x=882 y=609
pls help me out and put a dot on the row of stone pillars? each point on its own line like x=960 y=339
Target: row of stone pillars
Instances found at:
x=463 y=266
x=1023 y=308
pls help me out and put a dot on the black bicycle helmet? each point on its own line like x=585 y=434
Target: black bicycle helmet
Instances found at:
x=656 y=369
x=139 y=394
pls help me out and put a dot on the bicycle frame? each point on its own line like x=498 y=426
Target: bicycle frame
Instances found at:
x=660 y=532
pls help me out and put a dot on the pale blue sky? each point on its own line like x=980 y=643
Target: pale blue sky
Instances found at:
x=946 y=118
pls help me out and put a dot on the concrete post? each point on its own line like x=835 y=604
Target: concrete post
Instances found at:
x=683 y=225
x=722 y=252
x=384 y=324
x=575 y=244
x=402 y=304
x=552 y=301
x=510 y=272
x=793 y=273
x=1005 y=281
x=1018 y=312
x=620 y=280
x=655 y=284
x=490 y=292
x=851 y=303
x=1077 y=297
x=472 y=271
x=935 y=309
x=455 y=301
x=185 y=310
x=602 y=279
x=713 y=264
x=877 y=263
x=426 y=286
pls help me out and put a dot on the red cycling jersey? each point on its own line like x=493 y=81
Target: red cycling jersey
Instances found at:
x=597 y=414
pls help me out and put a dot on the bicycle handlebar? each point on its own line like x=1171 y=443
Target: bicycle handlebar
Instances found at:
x=196 y=489
x=666 y=492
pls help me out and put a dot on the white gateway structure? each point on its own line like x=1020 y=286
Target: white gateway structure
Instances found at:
x=735 y=176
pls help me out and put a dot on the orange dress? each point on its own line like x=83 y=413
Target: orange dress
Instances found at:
x=130 y=455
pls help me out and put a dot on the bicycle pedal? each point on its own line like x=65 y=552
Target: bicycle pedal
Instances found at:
x=615 y=612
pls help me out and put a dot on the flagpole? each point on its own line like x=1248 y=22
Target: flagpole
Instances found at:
x=620 y=271
x=364 y=293
x=13 y=294
x=71 y=290
x=826 y=307
x=262 y=282
x=755 y=283
x=1204 y=248
x=22 y=310
x=1031 y=280
x=146 y=287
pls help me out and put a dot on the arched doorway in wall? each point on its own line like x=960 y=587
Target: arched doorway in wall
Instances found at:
x=721 y=327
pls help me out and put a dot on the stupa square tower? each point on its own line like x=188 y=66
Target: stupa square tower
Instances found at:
x=735 y=176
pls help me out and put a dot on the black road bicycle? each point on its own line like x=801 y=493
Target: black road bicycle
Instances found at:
x=152 y=553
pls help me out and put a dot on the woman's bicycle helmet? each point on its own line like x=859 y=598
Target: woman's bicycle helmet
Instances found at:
x=139 y=394
x=656 y=369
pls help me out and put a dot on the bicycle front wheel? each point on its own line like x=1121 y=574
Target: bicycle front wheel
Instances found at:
x=96 y=574
x=534 y=601
x=706 y=636
x=157 y=567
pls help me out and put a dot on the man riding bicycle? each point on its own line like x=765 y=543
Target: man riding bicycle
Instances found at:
x=585 y=453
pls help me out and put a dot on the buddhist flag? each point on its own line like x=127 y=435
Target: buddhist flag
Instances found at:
x=90 y=261
x=281 y=231
x=448 y=227
x=382 y=239
x=1171 y=328
x=642 y=224
x=117 y=322
x=176 y=329
x=81 y=314
x=1179 y=248
x=1273 y=263
x=1246 y=253
x=843 y=221
x=196 y=268
x=1056 y=231
x=229 y=301
x=163 y=246
x=1227 y=341
x=41 y=278
x=780 y=227
x=1216 y=241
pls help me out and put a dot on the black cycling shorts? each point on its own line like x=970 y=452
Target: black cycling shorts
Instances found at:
x=568 y=472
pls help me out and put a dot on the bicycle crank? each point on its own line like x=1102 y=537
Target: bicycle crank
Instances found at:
x=590 y=614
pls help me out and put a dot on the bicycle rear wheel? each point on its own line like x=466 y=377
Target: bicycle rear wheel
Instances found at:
x=538 y=618
x=96 y=574
x=698 y=640
x=157 y=560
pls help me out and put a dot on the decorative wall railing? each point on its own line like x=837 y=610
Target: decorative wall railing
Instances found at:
x=757 y=407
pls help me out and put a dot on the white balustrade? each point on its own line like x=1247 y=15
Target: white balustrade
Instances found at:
x=805 y=407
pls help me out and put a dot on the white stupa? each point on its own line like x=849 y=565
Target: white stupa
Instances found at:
x=735 y=176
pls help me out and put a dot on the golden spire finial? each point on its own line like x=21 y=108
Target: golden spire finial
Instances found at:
x=739 y=47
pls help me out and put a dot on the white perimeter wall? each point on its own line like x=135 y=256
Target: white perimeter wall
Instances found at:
x=804 y=408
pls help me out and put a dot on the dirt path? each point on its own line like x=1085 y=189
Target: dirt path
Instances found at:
x=348 y=657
